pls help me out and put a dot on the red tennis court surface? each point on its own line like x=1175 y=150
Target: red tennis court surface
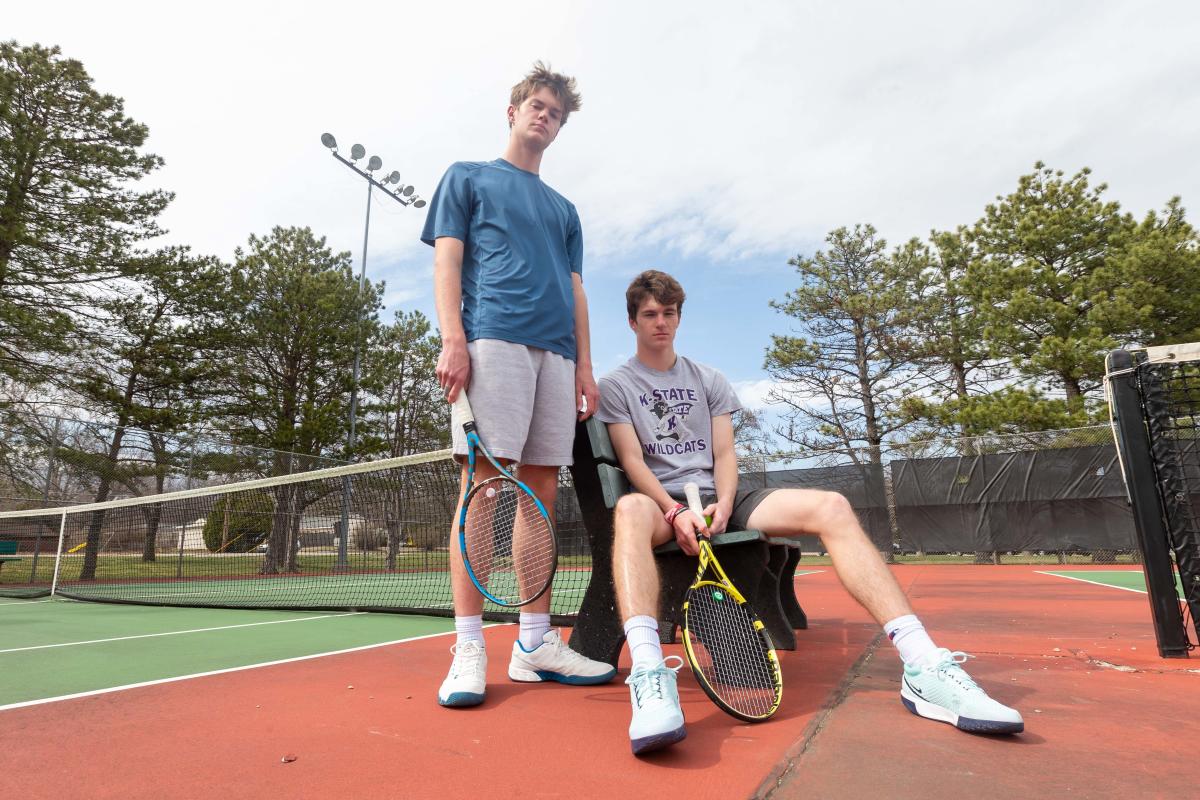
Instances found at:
x=1105 y=717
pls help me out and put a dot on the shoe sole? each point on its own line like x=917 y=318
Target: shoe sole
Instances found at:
x=928 y=710
x=460 y=700
x=648 y=744
x=541 y=675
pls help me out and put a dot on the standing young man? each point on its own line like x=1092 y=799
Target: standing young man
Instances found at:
x=669 y=420
x=508 y=255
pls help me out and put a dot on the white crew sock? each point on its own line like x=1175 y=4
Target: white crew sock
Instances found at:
x=469 y=629
x=644 y=645
x=909 y=636
x=533 y=628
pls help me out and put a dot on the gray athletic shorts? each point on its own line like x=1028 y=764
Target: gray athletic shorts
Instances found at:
x=523 y=399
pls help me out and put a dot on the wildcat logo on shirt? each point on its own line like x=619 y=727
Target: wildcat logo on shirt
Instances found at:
x=671 y=407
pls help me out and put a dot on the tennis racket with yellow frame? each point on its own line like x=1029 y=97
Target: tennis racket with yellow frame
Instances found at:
x=727 y=645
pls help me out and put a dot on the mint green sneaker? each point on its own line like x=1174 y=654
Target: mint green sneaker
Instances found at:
x=941 y=690
x=657 y=717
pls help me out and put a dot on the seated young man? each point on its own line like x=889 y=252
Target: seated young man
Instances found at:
x=669 y=420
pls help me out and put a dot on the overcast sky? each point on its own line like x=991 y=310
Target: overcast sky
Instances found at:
x=716 y=139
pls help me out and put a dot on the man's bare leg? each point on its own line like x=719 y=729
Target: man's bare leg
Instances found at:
x=540 y=654
x=859 y=566
x=933 y=684
x=535 y=618
x=466 y=682
x=638 y=527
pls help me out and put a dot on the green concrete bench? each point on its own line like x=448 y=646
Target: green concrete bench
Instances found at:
x=762 y=568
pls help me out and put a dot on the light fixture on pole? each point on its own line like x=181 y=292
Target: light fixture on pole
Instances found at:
x=405 y=196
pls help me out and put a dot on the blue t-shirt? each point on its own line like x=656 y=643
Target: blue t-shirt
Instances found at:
x=521 y=242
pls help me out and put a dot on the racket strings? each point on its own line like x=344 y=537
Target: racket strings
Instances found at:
x=510 y=542
x=729 y=653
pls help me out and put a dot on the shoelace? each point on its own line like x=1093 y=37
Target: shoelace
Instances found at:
x=562 y=649
x=650 y=678
x=949 y=667
x=466 y=662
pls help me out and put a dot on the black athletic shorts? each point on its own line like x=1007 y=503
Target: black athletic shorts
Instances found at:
x=744 y=503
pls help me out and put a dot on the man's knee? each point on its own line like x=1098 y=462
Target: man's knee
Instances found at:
x=633 y=516
x=834 y=514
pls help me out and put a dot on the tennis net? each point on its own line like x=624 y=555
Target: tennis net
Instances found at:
x=370 y=536
x=1155 y=400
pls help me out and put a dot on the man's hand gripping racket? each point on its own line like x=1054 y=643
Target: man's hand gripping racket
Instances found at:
x=728 y=647
x=504 y=532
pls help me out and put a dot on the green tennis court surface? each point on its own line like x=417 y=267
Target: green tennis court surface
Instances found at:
x=1131 y=579
x=60 y=647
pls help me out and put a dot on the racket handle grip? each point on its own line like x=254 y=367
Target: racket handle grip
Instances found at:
x=692 y=491
x=462 y=408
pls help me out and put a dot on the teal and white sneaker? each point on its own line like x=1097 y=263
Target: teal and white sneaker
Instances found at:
x=553 y=660
x=467 y=681
x=657 y=718
x=941 y=690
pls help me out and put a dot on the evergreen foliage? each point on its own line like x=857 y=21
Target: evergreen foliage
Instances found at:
x=238 y=523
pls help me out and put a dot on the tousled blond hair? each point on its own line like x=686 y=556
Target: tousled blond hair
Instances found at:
x=562 y=86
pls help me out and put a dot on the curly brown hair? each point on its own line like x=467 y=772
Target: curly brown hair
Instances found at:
x=659 y=285
x=562 y=86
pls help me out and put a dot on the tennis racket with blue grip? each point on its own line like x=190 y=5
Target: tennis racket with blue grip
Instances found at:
x=504 y=532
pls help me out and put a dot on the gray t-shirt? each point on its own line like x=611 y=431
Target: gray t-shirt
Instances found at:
x=671 y=412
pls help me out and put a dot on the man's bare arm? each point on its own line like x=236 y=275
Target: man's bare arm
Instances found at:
x=454 y=363
x=725 y=472
x=587 y=395
x=629 y=453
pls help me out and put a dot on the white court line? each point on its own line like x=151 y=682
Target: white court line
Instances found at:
x=801 y=574
x=1182 y=601
x=177 y=633
x=26 y=602
x=94 y=692
x=1094 y=583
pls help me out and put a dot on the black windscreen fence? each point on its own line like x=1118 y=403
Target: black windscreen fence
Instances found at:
x=1057 y=500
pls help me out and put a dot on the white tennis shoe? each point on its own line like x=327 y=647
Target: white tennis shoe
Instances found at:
x=553 y=660
x=657 y=716
x=941 y=690
x=467 y=681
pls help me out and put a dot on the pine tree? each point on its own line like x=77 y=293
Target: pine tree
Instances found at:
x=1047 y=286
x=842 y=383
x=69 y=209
x=140 y=362
x=294 y=316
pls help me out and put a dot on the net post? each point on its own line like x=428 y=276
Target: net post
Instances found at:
x=1133 y=443
x=62 y=530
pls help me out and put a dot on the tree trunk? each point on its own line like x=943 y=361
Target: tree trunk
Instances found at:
x=153 y=516
x=91 y=552
x=149 y=545
x=277 y=558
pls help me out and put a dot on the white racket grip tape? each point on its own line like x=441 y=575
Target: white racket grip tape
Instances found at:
x=692 y=490
x=462 y=409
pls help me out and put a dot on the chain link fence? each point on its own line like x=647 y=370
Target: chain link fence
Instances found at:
x=1041 y=497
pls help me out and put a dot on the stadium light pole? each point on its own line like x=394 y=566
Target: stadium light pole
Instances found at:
x=405 y=196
